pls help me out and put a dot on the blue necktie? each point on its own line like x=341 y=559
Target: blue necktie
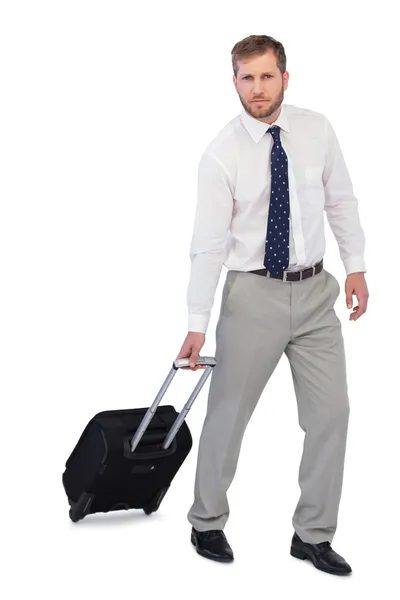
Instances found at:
x=277 y=242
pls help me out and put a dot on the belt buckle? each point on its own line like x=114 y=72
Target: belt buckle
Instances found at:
x=285 y=276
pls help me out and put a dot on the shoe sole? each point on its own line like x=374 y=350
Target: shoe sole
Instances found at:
x=226 y=559
x=298 y=554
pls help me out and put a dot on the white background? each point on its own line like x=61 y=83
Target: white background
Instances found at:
x=106 y=108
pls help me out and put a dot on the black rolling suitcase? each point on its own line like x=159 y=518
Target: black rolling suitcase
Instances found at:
x=128 y=458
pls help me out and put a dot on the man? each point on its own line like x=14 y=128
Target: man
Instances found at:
x=263 y=185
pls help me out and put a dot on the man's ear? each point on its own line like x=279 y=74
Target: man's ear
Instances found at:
x=285 y=79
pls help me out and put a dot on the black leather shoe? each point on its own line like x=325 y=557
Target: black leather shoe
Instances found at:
x=212 y=544
x=321 y=555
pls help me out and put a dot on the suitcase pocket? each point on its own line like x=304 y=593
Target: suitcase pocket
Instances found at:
x=150 y=445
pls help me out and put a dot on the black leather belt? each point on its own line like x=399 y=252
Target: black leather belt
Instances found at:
x=291 y=275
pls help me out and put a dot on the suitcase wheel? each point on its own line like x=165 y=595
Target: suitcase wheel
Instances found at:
x=73 y=516
x=155 y=503
x=78 y=509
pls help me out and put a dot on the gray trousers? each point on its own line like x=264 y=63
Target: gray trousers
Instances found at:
x=260 y=319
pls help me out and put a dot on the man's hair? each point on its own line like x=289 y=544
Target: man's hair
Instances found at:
x=255 y=45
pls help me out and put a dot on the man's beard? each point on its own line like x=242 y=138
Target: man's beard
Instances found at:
x=270 y=108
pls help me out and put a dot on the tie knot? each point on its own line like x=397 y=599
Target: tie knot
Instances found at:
x=275 y=132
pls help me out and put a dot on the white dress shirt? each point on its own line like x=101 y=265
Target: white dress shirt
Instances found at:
x=234 y=182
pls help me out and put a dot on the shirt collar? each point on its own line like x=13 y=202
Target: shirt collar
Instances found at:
x=257 y=129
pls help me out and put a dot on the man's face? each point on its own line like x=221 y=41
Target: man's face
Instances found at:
x=259 y=78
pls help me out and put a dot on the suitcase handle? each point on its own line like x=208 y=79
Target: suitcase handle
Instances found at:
x=180 y=363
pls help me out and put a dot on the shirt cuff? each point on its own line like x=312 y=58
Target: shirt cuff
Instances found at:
x=198 y=323
x=354 y=264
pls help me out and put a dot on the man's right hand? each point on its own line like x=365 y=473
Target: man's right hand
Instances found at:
x=191 y=349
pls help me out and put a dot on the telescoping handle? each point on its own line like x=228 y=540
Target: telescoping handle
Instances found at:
x=180 y=363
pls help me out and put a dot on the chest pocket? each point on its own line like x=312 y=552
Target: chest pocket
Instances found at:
x=312 y=197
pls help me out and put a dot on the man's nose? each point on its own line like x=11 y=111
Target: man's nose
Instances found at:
x=257 y=88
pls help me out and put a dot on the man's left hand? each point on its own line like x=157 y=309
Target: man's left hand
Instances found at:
x=356 y=284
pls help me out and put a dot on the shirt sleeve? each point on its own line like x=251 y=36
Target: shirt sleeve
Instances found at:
x=341 y=206
x=208 y=249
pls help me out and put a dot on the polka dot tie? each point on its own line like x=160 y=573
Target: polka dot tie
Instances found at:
x=277 y=242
